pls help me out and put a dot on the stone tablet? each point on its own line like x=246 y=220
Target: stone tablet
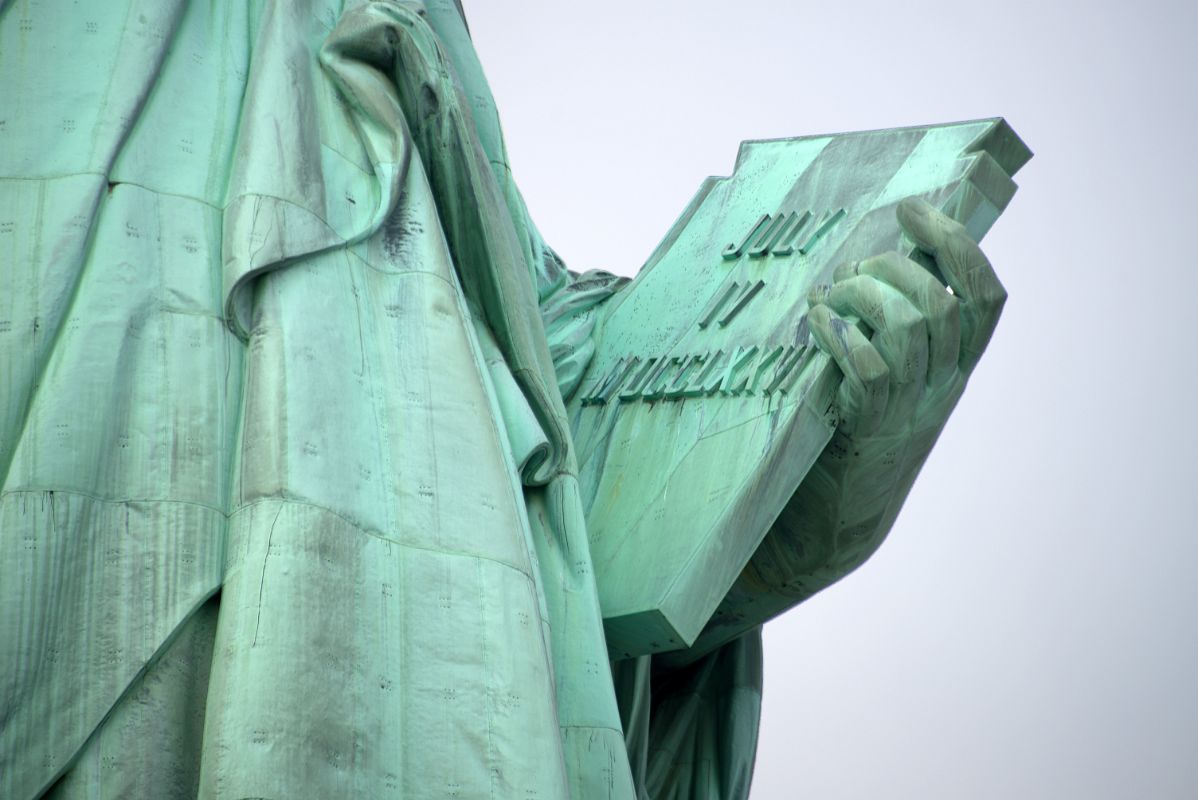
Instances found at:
x=707 y=402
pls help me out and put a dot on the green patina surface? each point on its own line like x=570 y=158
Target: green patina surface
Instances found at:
x=323 y=477
x=695 y=431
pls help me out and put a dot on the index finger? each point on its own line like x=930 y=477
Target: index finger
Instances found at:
x=966 y=269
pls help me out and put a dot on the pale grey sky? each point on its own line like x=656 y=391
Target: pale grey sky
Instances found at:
x=1030 y=629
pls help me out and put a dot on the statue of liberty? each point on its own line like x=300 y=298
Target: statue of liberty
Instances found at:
x=291 y=504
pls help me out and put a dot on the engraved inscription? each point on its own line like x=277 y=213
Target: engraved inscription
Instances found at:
x=825 y=224
x=717 y=304
x=738 y=294
x=633 y=389
x=733 y=383
x=694 y=388
x=655 y=389
x=767 y=238
x=750 y=291
x=786 y=242
x=611 y=382
x=748 y=370
x=763 y=365
x=678 y=386
x=734 y=251
x=783 y=234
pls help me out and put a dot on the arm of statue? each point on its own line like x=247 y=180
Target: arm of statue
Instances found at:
x=899 y=386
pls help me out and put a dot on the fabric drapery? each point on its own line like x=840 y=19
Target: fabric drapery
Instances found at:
x=289 y=489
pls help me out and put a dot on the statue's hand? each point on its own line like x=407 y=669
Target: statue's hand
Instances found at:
x=901 y=383
x=904 y=370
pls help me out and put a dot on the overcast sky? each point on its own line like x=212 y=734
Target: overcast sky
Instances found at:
x=1029 y=630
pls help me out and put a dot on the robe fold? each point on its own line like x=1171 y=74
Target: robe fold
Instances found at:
x=289 y=503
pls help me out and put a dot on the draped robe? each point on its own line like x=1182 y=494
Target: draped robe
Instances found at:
x=289 y=504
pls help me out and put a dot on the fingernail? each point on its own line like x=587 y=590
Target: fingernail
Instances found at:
x=916 y=207
x=818 y=294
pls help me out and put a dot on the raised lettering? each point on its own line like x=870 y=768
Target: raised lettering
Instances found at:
x=633 y=390
x=768 y=235
x=734 y=251
x=655 y=388
x=709 y=380
x=750 y=291
x=677 y=389
x=609 y=383
x=829 y=219
x=770 y=357
x=717 y=304
x=742 y=372
x=800 y=365
x=730 y=385
x=785 y=367
x=785 y=244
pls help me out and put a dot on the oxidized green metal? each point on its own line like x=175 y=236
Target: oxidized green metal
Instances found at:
x=694 y=430
x=291 y=502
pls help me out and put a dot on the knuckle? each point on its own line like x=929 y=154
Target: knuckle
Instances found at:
x=963 y=250
x=887 y=263
x=914 y=328
x=998 y=293
x=905 y=322
x=938 y=304
x=871 y=369
x=992 y=298
x=846 y=270
x=943 y=308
